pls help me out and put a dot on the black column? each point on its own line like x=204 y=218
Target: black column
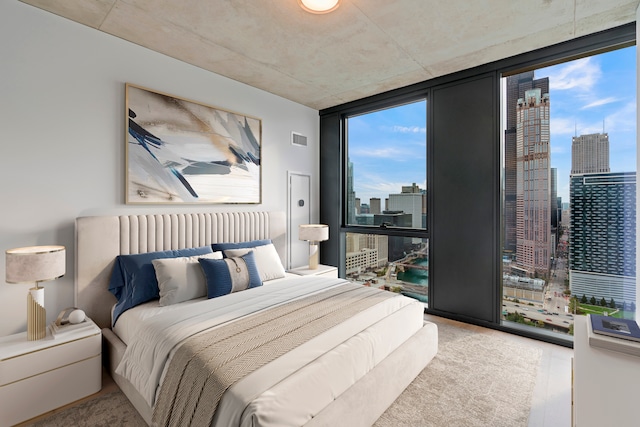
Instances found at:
x=465 y=188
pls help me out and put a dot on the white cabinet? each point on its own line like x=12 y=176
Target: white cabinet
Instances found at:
x=322 y=270
x=39 y=376
x=605 y=383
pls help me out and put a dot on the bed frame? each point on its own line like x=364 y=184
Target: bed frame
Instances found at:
x=99 y=239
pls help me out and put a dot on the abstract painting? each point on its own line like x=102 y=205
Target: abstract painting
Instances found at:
x=181 y=151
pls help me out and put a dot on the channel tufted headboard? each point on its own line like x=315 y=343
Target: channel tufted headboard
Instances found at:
x=99 y=239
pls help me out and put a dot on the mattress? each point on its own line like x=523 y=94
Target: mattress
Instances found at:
x=289 y=390
x=129 y=321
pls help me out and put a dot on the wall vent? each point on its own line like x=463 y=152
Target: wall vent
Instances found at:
x=298 y=139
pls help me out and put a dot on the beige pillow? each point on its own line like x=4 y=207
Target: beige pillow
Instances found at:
x=267 y=260
x=181 y=279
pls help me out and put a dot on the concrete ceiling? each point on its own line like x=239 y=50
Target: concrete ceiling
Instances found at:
x=362 y=48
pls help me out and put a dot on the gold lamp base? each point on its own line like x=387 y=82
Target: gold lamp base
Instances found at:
x=36 y=314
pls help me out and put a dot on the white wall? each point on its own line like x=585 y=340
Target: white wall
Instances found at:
x=62 y=133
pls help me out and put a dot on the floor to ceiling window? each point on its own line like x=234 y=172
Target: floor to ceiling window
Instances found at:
x=569 y=196
x=502 y=195
x=386 y=191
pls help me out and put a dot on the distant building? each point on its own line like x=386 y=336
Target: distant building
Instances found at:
x=602 y=250
x=374 y=205
x=590 y=153
x=559 y=210
x=533 y=189
x=412 y=201
x=366 y=251
x=353 y=203
x=364 y=219
x=517 y=85
x=553 y=210
x=566 y=216
x=554 y=198
x=398 y=246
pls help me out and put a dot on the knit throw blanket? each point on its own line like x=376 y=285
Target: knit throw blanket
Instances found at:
x=207 y=364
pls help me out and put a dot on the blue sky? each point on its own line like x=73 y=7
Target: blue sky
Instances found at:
x=585 y=94
x=388 y=148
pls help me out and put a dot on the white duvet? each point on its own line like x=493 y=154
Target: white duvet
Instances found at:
x=291 y=389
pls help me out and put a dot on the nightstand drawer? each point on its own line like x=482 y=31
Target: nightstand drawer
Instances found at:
x=48 y=358
x=33 y=396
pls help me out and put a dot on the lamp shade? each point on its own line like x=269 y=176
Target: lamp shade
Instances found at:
x=35 y=264
x=313 y=232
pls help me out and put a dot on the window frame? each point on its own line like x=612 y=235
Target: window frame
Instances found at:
x=409 y=98
x=333 y=194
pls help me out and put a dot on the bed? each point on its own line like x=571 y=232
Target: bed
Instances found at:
x=347 y=354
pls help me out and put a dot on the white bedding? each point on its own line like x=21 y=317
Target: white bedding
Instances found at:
x=291 y=389
x=129 y=321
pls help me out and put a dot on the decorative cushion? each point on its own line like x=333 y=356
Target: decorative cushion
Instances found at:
x=267 y=260
x=133 y=280
x=240 y=245
x=181 y=279
x=228 y=275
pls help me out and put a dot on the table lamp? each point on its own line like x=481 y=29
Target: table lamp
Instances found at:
x=35 y=264
x=314 y=234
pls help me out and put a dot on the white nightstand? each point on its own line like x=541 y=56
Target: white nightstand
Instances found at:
x=322 y=270
x=39 y=376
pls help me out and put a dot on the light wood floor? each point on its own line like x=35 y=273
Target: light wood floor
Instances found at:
x=551 y=405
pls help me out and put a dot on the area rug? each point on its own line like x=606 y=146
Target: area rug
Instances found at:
x=477 y=379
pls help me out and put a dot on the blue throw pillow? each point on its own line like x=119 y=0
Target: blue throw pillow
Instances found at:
x=133 y=280
x=228 y=275
x=240 y=245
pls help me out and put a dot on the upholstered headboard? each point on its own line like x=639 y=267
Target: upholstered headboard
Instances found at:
x=99 y=239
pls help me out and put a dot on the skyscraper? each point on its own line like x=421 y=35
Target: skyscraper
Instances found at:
x=516 y=87
x=602 y=261
x=374 y=205
x=590 y=153
x=352 y=209
x=412 y=201
x=554 y=198
x=533 y=183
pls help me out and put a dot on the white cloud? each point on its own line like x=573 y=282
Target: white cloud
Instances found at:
x=581 y=74
x=623 y=119
x=600 y=102
x=563 y=126
x=409 y=129
x=383 y=153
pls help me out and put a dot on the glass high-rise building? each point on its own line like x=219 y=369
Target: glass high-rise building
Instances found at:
x=602 y=250
x=533 y=183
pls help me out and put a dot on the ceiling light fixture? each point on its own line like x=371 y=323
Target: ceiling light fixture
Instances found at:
x=319 y=6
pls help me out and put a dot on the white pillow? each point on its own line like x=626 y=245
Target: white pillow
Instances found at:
x=181 y=279
x=267 y=260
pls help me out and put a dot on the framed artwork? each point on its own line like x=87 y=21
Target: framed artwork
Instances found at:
x=181 y=151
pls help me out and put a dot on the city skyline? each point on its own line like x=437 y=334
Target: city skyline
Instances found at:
x=587 y=95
